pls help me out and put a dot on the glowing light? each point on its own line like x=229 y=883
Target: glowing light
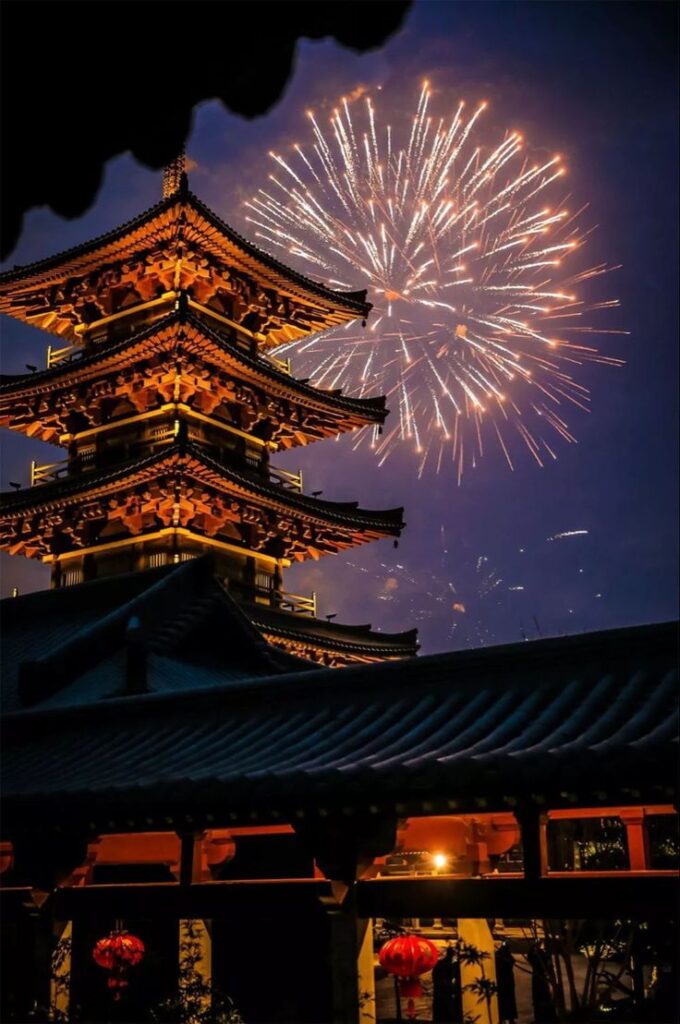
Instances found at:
x=440 y=860
x=460 y=356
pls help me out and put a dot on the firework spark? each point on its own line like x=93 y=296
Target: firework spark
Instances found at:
x=465 y=256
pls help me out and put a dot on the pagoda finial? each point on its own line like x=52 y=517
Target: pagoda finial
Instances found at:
x=173 y=174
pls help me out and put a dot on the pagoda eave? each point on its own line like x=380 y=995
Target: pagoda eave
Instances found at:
x=206 y=369
x=182 y=486
x=202 y=255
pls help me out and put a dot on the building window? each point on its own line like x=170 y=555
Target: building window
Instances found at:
x=87 y=454
x=264 y=581
x=587 y=844
x=663 y=841
x=182 y=556
x=71 y=576
x=157 y=558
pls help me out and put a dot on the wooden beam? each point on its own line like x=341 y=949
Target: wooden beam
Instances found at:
x=592 y=897
x=633 y=896
x=205 y=900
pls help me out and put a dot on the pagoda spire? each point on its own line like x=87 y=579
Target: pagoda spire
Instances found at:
x=173 y=174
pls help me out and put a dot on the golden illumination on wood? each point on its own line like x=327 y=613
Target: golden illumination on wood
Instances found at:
x=167 y=400
x=178 y=245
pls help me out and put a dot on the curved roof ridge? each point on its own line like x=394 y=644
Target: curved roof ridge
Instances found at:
x=356 y=299
x=389 y=520
x=262 y=365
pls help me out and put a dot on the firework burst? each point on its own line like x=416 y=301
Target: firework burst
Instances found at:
x=465 y=253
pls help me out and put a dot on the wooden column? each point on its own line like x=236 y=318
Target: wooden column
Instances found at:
x=351 y=956
x=44 y=862
x=344 y=847
x=532 y=822
x=480 y=965
x=60 y=981
x=195 y=966
x=635 y=833
x=190 y=857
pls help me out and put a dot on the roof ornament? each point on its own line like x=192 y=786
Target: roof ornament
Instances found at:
x=174 y=175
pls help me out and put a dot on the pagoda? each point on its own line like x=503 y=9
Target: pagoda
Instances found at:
x=163 y=392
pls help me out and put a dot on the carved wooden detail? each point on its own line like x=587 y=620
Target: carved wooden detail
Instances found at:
x=173 y=496
x=181 y=252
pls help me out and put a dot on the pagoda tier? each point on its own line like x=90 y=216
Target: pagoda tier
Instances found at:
x=186 y=364
x=329 y=643
x=134 y=273
x=178 y=499
x=169 y=403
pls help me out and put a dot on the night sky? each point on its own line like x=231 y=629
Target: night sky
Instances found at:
x=598 y=84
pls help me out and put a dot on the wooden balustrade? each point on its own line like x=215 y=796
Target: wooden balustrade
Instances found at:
x=297 y=603
x=48 y=472
x=62 y=355
x=291 y=481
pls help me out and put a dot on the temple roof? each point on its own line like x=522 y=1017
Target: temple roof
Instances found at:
x=330 y=636
x=179 y=222
x=72 y=641
x=197 y=463
x=197 y=336
x=574 y=721
x=74 y=638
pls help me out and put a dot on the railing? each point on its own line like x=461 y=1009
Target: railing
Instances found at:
x=297 y=603
x=47 y=473
x=283 y=365
x=62 y=355
x=291 y=481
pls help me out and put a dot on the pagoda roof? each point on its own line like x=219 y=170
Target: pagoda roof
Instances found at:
x=181 y=215
x=577 y=721
x=74 y=638
x=109 y=356
x=330 y=636
x=198 y=463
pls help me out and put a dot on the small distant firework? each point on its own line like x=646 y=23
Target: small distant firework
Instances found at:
x=463 y=247
x=467 y=600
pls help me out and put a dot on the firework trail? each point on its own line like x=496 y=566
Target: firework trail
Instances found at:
x=476 y=327
x=473 y=600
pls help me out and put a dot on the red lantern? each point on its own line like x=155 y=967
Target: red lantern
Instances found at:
x=116 y=953
x=408 y=956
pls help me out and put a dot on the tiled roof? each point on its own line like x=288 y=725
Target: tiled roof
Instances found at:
x=372 y=409
x=330 y=635
x=67 y=260
x=346 y=515
x=581 y=720
x=71 y=642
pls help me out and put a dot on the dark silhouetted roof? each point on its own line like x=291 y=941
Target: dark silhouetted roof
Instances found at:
x=577 y=720
x=332 y=636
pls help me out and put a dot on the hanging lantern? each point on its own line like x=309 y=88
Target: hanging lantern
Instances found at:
x=116 y=953
x=407 y=957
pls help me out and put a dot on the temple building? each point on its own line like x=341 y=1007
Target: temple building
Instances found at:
x=209 y=793
x=164 y=395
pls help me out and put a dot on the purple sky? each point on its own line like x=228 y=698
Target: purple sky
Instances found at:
x=598 y=84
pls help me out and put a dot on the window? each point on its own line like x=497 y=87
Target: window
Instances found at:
x=71 y=576
x=587 y=844
x=157 y=558
x=663 y=841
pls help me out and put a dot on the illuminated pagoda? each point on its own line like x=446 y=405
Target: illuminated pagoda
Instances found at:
x=164 y=393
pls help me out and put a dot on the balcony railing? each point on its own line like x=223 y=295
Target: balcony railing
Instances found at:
x=62 y=355
x=48 y=472
x=297 y=603
x=291 y=481
x=282 y=365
